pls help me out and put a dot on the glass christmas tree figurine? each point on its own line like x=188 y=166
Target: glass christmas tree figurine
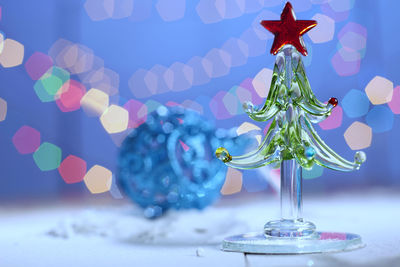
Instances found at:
x=292 y=143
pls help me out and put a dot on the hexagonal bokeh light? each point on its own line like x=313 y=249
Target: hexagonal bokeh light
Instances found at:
x=262 y=81
x=380 y=119
x=394 y=104
x=334 y=120
x=233 y=182
x=98 y=10
x=12 y=54
x=325 y=30
x=238 y=50
x=217 y=107
x=3 y=109
x=98 y=179
x=178 y=77
x=94 y=102
x=26 y=140
x=346 y=62
x=137 y=84
x=70 y=95
x=2 y=37
x=137 y=113
x=355 y=103
x=37 y=65
x=47 y=157
x=351 y=48
x=72 y=169
x=171 y=13
x=202 y=69
x=50 y=83
x=358 y=135
x=246 y=127
x=379 y=90
x=115 y=119
x=221 y=62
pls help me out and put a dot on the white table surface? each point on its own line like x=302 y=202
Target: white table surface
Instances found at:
x=116 y=235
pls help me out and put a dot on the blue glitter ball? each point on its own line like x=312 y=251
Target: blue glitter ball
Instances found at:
x=169 y=162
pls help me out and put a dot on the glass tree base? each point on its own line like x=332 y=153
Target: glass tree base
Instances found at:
x=319 y=242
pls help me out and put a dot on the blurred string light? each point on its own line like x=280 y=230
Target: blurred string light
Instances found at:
x=53 y=75
x=72 y=169
x=235 y=51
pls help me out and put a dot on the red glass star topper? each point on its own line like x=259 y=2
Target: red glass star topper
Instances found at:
x=288 y=30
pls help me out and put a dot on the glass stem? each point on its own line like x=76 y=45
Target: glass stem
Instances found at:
x=291 y=190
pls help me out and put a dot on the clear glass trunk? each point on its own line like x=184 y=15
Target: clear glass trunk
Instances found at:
x=291 y=223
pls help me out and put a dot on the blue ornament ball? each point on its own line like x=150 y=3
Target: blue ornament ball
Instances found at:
x=169 y=162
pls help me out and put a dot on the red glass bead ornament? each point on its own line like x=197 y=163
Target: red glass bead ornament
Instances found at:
x=333 y=101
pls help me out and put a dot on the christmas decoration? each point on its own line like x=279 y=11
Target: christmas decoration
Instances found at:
x=291 y=143
x=168 y=161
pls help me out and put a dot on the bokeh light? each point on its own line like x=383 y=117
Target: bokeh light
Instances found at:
x=346 y=62
x=380 y=119
x=70 y=95
x=202 y=69
x=262 y=81
x=358 y=135
x=379 y=90
x=154 y=79
x=98 y=179
x=178 y=77
x=3 y=109
x=255 y=45
x=351 y=49
x=355 y=103
x=123 y=8
x=325 y=30
x=94 y=102
x=171 y=13
x=12 y=54
x=208 y=12
x=2 y=38
x=26 y=140
x=137 y=113
x=47 y=157
x=336 y=9
x=115 y=119
x=394 y=104
x=221 y=62
x=238 y=50
x=97 y=9
x=217 y=107
x=37 y=65
x=301 y=5
x=233 y=182
x=72 y=169
x=137 y=84
x=50 y=83
x=246 y=127
x=103 y=79
x=334 y=120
